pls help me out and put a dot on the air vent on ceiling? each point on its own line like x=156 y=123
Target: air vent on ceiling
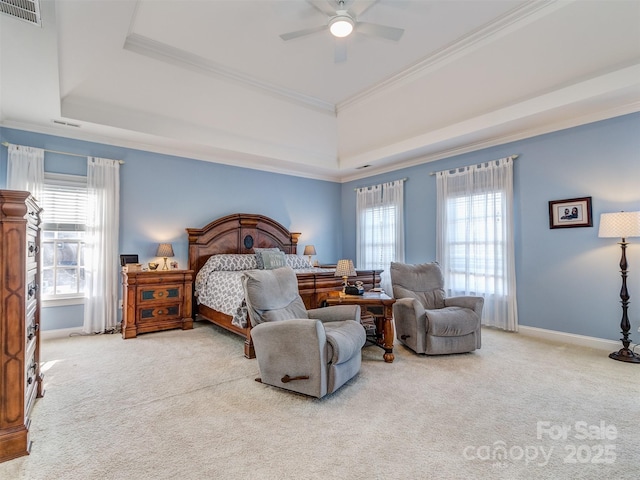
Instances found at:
x=27 y=10
x=68 y=124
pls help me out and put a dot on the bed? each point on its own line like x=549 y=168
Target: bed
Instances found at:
x=227 y=246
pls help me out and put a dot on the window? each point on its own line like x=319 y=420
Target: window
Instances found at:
x=476 y=260
x=64 y=218
x=379 y=242
x=380 y=228
x=475 y=237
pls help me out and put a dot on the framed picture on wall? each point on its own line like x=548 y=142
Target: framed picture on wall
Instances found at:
x=572 y=212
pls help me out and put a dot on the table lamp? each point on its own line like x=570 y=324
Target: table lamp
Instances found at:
x=622 y=225
x=309 y=250
x=165 y=250
x=345 y=270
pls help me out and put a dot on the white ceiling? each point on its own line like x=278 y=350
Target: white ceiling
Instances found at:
x=213 y=80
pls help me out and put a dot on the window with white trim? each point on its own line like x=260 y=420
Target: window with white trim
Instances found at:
x=378 y=242
x=64 y=218
x=476 y=240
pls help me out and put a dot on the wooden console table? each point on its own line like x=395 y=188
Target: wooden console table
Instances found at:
x=376 y=305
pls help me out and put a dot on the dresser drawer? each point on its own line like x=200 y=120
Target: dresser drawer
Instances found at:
x=159 y=293
x=31 y=297
x=31 y=327
x=155 y=313
x=31 y=372
x=33 y=219
x=33 y=250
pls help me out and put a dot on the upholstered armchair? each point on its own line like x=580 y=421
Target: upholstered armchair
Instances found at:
x=313 y=352
x=425 y=320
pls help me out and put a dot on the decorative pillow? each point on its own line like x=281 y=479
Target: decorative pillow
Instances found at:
x=272 y=260
x=258 y=251
x=297 y=262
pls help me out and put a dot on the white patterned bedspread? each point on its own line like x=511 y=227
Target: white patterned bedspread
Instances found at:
x=222 y=290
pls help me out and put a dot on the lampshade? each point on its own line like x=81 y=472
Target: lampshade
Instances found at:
x=309 y=250
x=345 y=269
x=164 y=250
x=341 y=25
x=619 y=225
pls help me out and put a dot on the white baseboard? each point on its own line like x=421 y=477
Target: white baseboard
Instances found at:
x=552 y=335
x=59 y=333
x=570 y=338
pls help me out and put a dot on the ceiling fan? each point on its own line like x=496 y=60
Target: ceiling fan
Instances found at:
x=342 y=22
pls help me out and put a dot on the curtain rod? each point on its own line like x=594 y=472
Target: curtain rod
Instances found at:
x=399 y=180
x=512 y=157
x=6 y=144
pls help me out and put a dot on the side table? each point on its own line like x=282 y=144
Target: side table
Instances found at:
x=379 y=306
x=156 y=300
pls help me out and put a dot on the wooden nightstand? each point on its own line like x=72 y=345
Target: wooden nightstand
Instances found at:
x=156 y=300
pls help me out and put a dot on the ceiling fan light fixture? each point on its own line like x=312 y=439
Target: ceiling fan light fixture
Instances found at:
x=341 y=25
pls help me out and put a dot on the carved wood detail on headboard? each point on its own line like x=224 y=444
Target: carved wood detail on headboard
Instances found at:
x=238 y=233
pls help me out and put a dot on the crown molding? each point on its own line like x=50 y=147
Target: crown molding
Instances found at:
x=506 y=23
x=150 y=48
x=163 y=146
x=592 y=117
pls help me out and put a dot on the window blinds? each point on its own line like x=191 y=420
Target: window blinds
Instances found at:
x=64 y=202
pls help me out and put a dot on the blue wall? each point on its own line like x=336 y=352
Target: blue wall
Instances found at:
x=161 y=195
x=567 y=279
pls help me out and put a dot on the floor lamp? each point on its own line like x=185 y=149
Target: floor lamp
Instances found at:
x=622 y=225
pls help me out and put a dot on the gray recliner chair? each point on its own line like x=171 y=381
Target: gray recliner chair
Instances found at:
x=425 y=320
x=313 y=352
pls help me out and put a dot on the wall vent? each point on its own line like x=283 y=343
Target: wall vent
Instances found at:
x=68 y=124
x=26 y=10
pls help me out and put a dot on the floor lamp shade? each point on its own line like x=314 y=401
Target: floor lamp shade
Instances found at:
x=619 y=225
x=622 y=225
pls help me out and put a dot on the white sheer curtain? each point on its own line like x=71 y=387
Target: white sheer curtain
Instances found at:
x=380 y=228
x=101 y=251
x=25 y=169
x=475 y=245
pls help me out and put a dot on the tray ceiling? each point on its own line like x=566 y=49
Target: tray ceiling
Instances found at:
x=213 y=80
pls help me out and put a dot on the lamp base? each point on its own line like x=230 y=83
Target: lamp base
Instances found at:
x=625 y=355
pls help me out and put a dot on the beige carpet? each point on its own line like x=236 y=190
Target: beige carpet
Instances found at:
x=184 y=405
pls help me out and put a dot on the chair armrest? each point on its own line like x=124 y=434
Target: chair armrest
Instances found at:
x=408 y=307
x=336 y=313
x=473 y=303
x=346 y=339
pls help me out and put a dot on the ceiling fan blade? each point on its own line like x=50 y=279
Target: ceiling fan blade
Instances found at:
x=323 y=7
x=384 y=31
x=340 y=54
x=302 y=33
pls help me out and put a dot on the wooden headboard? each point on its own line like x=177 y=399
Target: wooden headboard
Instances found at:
x=238 y=233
